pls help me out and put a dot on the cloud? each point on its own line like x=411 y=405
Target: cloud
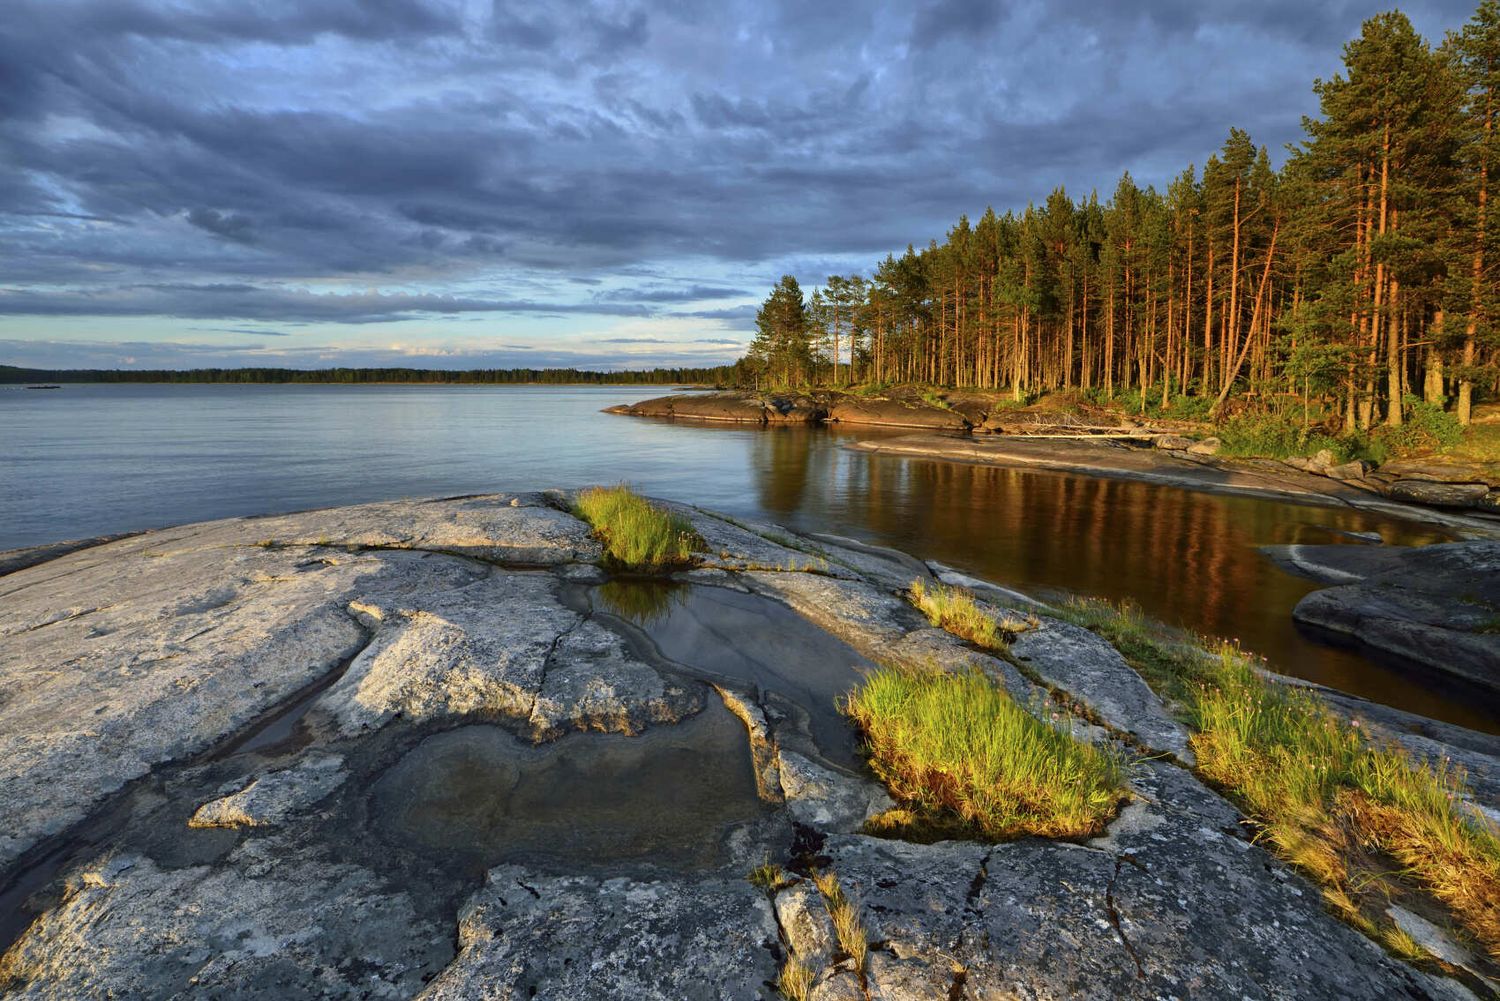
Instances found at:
x=238 y=301
x=274 y=161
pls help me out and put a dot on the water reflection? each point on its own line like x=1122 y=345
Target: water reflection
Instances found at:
x=641 y=602
x=89 y=460
x=1185 y=557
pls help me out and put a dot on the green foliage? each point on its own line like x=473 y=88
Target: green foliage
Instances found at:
x=1427 y=428
x=1276 y=436
x=955 y=610
x=636 y=534
x=1323 y=795
x=957 y=751
x=768 y=876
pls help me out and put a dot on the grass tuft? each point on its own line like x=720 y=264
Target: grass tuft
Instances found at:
x=1330 y=800
x=955 y=610
x=795 y=981
x=1368 y=822
x=853 y=939
x=769 y=877
x=636 y=533
x=958 y=749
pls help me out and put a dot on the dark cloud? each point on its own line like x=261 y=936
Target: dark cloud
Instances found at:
x=218 y=159
x=689 y=293
x=225 y=301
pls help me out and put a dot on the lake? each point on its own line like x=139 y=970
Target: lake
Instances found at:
x=95 y=459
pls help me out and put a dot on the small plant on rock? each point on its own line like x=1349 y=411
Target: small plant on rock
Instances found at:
x=955 y=610
x=795 y=981
x=637 y=534
x=964 y=758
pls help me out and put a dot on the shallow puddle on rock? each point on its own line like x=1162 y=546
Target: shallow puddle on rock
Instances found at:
x=751 y=642
x=481 y=795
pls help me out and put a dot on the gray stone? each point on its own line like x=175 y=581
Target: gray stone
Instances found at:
x=1172 y=442
x=1437 y=943
x=274 y=796
x=1434 y=605
x=114 y=660
x=1439 y=494
x=741 y=545
x=275 y=929
x=862 y=615
x=1205 y=446
x=563 y=938
x=805 y=924
x=826 y=799
x=593 y=682
x=1173 y=903
x=1085 y=666
x=505 y=528
x=480 y=648
x=1350 y=470
x=837 y=985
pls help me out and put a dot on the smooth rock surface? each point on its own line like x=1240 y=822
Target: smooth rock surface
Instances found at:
x=389 y=719
x=1083 y=664
x=1438 y=606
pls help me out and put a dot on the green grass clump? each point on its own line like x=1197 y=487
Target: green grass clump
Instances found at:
x=956 y=749
x=1343 y=808
x=1369 y=822
x=955 y=610
x=636 y=533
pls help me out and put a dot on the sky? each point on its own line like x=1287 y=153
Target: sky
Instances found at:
x=480 y=183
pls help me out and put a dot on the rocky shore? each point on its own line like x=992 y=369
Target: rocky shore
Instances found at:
x=971 y=428
x=435 y=749
x=1438 y=606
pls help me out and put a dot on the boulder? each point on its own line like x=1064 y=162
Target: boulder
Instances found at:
x=1439 y=494
x=1354 y=470
x=1172 y=442
x=1432 y=605
x=1205 y=446
x=273 y=797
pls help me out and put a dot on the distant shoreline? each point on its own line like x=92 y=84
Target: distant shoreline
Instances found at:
x=683 y=386
x=15 y=375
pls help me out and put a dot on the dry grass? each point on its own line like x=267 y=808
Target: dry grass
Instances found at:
x=954 y=609
x=853 y=939
x=960 y=754
x=795 y=981
x=637 y=534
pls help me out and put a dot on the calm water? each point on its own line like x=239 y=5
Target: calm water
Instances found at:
x=90 y=460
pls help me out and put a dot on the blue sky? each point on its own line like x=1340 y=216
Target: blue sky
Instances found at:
x=477 y=183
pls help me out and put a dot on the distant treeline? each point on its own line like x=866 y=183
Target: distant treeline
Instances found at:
x=359 y=376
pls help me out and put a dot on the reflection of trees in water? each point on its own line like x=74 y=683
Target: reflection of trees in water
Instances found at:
x=782 y=457
x=641 y=601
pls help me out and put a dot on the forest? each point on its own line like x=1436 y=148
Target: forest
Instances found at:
x=1351 y=284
